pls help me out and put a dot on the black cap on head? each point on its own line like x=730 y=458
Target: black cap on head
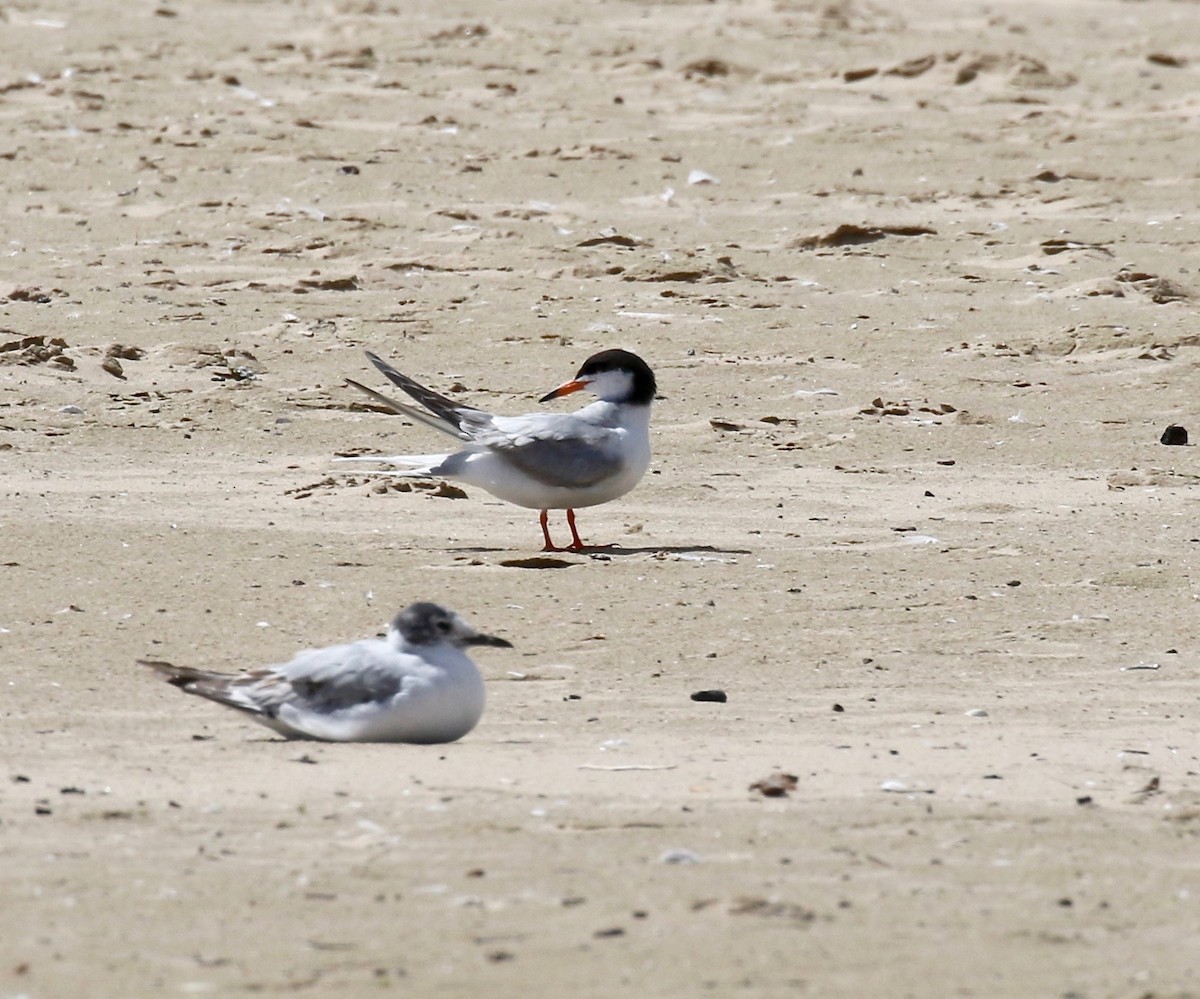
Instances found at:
x=644 y=385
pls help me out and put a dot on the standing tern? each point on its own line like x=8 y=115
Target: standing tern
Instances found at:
x=544 y=461
x=415 y=685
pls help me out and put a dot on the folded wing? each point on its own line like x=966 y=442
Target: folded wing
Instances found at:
x=553 y=449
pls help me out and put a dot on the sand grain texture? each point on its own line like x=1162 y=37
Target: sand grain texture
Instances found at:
x=920 y=290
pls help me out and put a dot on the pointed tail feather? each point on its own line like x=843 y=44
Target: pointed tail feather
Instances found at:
x=203 y=683
x=416 y=464
x=179 y=675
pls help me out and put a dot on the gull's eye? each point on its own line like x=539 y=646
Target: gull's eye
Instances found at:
x=443 y=626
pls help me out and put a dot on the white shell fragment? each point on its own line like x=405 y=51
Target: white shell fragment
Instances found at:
x=899 y=787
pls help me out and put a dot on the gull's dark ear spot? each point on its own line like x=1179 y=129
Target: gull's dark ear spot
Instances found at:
x=423 y=623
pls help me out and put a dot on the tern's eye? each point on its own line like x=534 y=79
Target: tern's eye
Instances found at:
x=443 y=626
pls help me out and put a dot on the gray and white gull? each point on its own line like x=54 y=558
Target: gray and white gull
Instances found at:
x=415 y=685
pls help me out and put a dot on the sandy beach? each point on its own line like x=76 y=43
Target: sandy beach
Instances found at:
x=919 y=288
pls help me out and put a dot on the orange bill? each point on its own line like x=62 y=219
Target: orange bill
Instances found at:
x=566 y=388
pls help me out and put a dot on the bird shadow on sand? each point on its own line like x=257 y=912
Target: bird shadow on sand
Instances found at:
x=664 y=549
x=559 y=560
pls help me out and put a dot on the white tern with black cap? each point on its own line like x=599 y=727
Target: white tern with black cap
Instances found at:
x=544 y=461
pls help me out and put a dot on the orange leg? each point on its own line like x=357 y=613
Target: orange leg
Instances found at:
x=550 y=546
x=575 y=542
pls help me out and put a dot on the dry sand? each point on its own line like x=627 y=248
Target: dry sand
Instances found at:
x=917 y=337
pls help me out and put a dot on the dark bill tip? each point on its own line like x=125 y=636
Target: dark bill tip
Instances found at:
x=500 y=643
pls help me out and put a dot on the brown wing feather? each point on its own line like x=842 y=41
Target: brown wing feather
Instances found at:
x=204 y=683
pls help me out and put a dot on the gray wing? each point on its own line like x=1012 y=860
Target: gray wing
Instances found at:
x=343 y=676
x=440 y=413
x=447 y=411
x=414 y=414
x=557 y=450
x=321 y=680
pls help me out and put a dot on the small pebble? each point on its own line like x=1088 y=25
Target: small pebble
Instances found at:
x=113 y=367
x=977 y=713
x=680 y=857
x=776 y=785
x=125 y=352
x=718 y=696
x=1174 y=434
